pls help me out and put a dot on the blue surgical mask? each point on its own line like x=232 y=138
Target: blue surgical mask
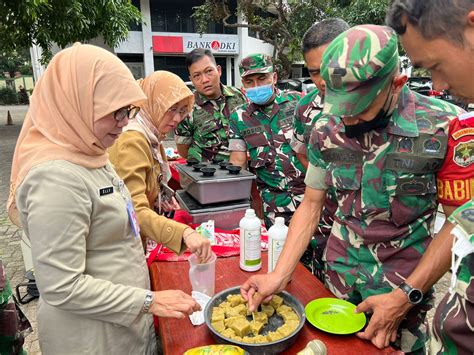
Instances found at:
x=260 y=95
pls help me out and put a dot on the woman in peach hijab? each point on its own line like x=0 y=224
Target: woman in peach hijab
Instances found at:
x=78 y=215
x=139 y=159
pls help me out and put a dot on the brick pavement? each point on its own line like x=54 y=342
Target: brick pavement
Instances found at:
x=10 y=235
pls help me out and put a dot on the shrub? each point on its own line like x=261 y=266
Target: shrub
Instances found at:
x=8 y=96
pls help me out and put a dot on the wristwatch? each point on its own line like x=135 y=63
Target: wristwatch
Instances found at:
x=148 y=302
x=415 y=296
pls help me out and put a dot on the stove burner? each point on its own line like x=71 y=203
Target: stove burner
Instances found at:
x=191 y=161
x=224 y=165
x=233 y=169
x=217 y=160
x=207 y=172
x=197 y=167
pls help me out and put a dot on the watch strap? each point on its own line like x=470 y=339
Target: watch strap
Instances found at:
x=408 y=290
x=147 y=302
x=405 y=288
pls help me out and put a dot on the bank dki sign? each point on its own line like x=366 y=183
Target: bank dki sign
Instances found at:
x=218 y=44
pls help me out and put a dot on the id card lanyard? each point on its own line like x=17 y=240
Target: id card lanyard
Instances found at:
x=132 y=216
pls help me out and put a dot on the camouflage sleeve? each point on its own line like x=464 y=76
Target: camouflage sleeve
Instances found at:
x=455 y=180
x=183 y=134
x=236 y=141
x=297 y=140
x=317 y=169
x=316 y=177
x=242 y=97
x=462 y=217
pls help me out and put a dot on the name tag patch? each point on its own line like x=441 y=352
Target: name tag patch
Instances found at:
x=342 y=156
x=106 y=191
x=253 y=130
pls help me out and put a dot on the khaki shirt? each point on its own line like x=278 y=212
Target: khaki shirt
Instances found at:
x=89 y=268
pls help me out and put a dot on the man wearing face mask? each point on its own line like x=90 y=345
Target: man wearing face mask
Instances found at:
x=264 y=128
x=382 y=148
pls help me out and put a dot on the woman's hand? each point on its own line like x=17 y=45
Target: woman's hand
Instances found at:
x=197 y=244
x=173 y=304
x=169 y=205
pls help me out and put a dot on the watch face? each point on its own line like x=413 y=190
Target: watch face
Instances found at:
x=415 y=296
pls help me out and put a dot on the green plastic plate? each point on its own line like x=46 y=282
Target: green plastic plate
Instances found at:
x=334 y=316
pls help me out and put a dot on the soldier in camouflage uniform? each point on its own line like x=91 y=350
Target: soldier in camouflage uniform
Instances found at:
x=204 y=135
x=453 y=324
x=264 y=128
x=426 y=41
x=308 y=111
x=383 y=157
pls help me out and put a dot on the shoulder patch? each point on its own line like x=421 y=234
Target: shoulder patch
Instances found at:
x=464 y=153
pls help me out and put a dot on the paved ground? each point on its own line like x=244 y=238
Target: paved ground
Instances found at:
x=10 y=251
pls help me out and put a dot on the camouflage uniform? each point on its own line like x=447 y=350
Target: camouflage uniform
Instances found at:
x=385 y=179
x=206 y=130
x=266 y=132
x=453 y=323
x=307 y=112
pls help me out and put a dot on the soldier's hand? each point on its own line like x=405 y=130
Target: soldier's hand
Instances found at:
x=388 y=310
x=260 y=288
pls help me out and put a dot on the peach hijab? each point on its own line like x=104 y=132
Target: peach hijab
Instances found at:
x=163 y=89
x=81 y=85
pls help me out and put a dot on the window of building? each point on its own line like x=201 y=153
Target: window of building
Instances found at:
x=134 y=62
x=134 y=26
x=175 y=16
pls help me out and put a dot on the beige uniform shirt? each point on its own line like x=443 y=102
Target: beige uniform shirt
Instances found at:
x=89 y=268
x=133 y=160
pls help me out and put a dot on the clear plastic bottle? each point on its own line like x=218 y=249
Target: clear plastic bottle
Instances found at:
x=314 y=347
x=250 y=241
x=276 y=240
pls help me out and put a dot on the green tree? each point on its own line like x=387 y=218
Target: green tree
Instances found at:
x=283 y=23
x=15 y=61
x=44 y=22
x=280 y=23
x=358 y=12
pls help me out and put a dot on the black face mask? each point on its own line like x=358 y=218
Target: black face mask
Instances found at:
x=380 y=120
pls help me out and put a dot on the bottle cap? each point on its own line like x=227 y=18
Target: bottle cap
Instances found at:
x=317 y=346
x=279 y=221
x=249 y=212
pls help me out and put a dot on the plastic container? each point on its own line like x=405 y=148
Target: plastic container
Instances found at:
x=203 y=275
x=221 y=187
x=216 y=350
x=276 y=241
x=250 y=241
x=314 y=347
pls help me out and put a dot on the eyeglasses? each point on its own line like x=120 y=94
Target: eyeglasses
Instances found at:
x=182 y=112
x=126 y=112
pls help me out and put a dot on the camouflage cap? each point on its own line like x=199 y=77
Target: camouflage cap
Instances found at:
x=356 y=66
x=255 y=64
